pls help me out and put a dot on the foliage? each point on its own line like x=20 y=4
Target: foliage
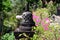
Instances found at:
x=33 y=4
x=52 y=7
x=52 y=33
x=43 y=12
x=8 y=36
x=44 y=30
x=6 y=5
x=11 y=21
x=40 y=14
x=11 y=8
x=39 y=4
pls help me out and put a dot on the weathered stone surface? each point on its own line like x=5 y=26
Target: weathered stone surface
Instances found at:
x=25 y=25
x=56 y=18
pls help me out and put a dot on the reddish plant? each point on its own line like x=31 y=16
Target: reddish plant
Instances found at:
x=45 y=23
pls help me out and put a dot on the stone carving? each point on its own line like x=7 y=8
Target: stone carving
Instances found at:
x=26 y=23
x=56 y=18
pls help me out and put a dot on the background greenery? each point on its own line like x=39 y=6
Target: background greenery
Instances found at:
x=11 y=8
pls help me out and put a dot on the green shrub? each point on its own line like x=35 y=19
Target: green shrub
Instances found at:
x=8 y=36
x=51 y=7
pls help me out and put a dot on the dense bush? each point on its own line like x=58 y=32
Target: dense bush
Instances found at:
x=52 y=33
x=44 y=30
x=52 y=7
x=8 y=36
